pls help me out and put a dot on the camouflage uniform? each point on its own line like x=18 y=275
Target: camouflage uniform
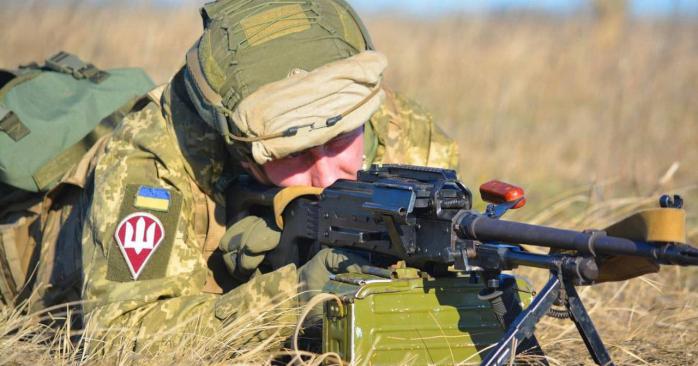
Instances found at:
x=168 y=160
x=166 y=145
x=406 y=134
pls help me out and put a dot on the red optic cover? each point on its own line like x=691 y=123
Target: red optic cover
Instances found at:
x=496 y=192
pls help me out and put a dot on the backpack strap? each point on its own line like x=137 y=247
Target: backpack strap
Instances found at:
x=11 y=125
x=70 y=64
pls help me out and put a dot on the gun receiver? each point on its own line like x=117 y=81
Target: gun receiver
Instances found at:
x=424 y=217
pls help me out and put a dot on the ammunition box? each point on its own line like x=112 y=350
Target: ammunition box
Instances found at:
x=413 y=320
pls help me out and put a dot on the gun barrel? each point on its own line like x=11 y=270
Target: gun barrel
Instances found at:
x=479 y=227
x=507 y=257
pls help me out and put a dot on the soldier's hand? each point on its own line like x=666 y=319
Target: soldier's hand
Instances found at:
x=315 y=274
x=246 y=243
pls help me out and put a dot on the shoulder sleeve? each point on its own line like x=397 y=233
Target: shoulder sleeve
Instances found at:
x=407 y=134
x=150 y=303
x=144 y=286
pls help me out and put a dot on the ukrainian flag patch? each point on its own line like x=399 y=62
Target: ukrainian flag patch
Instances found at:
x=152 y=198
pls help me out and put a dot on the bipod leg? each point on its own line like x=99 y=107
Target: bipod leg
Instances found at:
x=585 y=326
x=523 y=326
x=510 y=298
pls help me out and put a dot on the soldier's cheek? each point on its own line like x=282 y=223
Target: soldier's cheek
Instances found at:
x=286 y=174
x=350 y=159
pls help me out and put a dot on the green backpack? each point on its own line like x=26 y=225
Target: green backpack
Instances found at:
x=51 y=115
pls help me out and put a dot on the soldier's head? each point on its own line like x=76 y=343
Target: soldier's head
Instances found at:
x=288 y=84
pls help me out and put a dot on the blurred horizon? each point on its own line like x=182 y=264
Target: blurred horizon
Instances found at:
x=643 y=8
x=444 y=7
x=435 y=8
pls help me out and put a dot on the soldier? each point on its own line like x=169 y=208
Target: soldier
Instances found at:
x=288 y=92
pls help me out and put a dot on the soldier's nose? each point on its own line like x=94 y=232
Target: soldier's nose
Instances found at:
x=323 y=172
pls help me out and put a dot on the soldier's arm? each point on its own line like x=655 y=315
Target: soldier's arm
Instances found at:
x=160 y=300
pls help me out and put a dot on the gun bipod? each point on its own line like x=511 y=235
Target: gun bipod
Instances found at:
x=522 y=327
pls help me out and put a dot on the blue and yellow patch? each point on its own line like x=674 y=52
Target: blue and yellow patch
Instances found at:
x=152 y=198
x=166 y=206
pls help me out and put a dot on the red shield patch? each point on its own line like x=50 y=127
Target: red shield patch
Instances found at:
x=138 y=236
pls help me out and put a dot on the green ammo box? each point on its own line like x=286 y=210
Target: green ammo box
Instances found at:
x=409 y=320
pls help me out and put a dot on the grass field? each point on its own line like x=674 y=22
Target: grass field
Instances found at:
x=594 y=118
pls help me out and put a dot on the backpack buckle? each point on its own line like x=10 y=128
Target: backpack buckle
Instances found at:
x=12 y=125
x=70 y=64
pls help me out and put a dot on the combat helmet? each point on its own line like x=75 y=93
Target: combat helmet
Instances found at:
x=253 y=54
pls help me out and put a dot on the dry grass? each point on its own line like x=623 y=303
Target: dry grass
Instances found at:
x=25 y=340
x=645 y=321
x=588 y=118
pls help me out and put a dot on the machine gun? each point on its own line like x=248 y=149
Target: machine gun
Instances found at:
x=423 y=216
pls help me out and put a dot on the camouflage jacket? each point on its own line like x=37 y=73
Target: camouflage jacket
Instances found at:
x=162 y=166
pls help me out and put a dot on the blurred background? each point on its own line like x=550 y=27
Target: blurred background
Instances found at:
x=592 y=106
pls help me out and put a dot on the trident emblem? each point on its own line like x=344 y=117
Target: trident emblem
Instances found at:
x=142 y=239
x=138 y=236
